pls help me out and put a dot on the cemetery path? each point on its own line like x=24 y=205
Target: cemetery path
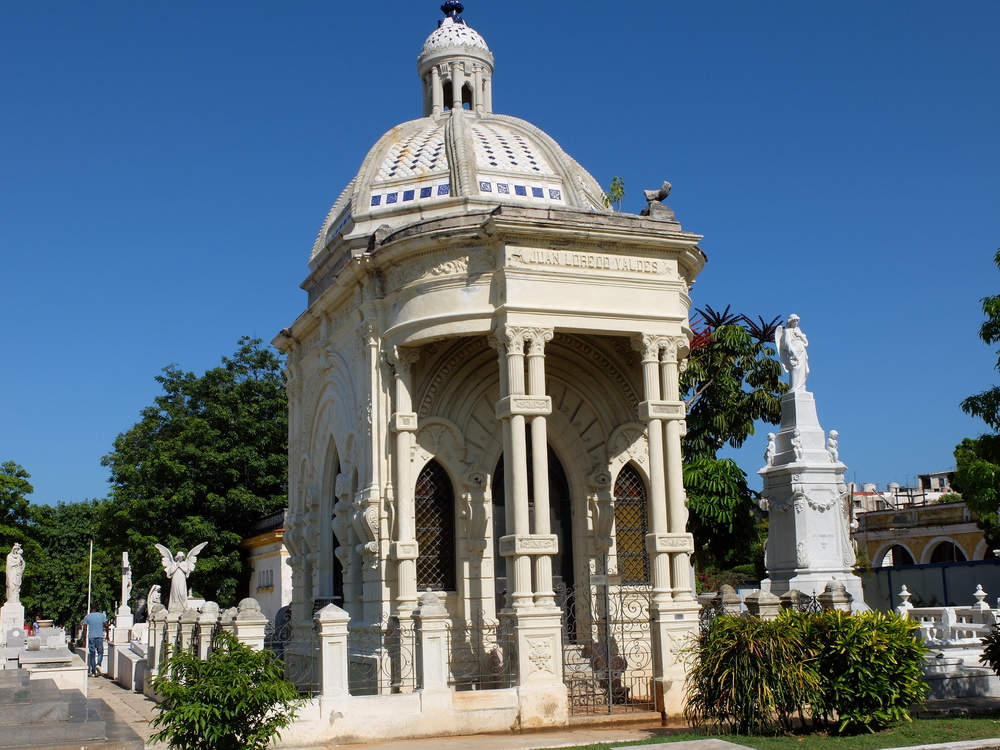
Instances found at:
x=133 y=708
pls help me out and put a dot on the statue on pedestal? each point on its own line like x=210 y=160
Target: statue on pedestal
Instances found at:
x=792 y=342
x=126 y=583
x=15 y=573
x=178 y=567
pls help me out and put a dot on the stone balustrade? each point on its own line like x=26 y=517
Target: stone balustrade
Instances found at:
x=944 y=627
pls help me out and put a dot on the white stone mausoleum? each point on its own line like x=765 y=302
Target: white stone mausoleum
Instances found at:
x=487 y=523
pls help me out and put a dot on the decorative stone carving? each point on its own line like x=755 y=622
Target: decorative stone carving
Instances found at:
x=833 y=446
x=655 y=208
x=178 y=567
x=792 y=344
x=770 y=451
x=15 y=573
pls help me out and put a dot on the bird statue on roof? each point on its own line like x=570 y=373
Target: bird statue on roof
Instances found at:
x=655 y=208
x=658 y=195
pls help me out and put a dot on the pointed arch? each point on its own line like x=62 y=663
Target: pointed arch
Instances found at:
x=631 y=525
x=434 y=509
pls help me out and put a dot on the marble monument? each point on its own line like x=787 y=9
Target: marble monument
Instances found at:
x=809 y=543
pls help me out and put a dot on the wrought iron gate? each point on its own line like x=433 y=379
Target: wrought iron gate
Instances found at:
x=607 y=647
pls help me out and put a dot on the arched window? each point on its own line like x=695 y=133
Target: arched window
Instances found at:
x=631 y=526
x=897 y=555
x=435 y=517
x=947 y=552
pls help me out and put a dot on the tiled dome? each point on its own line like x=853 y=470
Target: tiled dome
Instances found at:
x=460 y=157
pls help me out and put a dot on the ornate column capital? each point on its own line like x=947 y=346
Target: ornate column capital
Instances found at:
x=649 y=345
x=674 y=349
x=538 y=338
x=402 y=358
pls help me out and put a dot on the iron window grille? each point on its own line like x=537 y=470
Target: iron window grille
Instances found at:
x=435 y=521
x=631 y=526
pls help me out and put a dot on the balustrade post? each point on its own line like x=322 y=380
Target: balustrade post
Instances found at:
x=432 y=638
x=249 y=625
x=331 y=625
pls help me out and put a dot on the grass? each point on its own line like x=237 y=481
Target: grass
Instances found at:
x=917 y=732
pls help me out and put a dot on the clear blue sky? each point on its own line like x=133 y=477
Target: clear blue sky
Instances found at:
x=165 y=167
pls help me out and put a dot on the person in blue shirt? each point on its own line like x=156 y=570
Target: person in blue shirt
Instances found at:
x=96 y=626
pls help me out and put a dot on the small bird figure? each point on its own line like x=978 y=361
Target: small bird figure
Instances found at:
x=658 y=196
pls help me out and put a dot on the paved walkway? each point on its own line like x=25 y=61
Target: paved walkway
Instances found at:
x=135 y=709
x=138 y=710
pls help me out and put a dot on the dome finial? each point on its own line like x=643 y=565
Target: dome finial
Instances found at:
x=451 y=9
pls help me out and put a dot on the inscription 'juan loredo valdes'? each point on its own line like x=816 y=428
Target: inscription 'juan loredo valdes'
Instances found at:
x=596 y=261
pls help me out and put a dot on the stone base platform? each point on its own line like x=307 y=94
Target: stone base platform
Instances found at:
x=36 y=714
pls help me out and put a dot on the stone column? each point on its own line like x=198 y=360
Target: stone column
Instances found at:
x=437 y=91
x=515 y=471
x=674 y=410
x=544 y=595
x=457 y=80
x=673 y=612
x=331 y=627
x=404 y=424
x=659 y=563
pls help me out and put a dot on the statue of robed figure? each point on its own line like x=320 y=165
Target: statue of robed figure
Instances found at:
x=178 y=567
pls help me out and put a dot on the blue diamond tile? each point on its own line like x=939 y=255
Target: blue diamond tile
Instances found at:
x=520 y=190
x=537 y=193
x=392 y=198
x=555 y=195
x=486 y=187
x=444 y=189
x=503 y=188
x=376 y=200
x=425 y=192
x=408 y=195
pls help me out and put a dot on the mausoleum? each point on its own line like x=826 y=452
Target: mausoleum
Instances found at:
x=485 y=485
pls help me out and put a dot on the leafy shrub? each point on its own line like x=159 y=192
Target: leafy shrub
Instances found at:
x=236 y=699
x=991 y=650
x=869 y=666
x=751 y=676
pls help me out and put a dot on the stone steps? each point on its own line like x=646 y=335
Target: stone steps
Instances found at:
x=36 y=714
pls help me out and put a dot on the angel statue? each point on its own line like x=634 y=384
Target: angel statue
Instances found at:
x=178 y=567
x=792 y=343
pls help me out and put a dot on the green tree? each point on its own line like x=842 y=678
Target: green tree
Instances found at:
x=236 y=699
x=730 y=382
x=206 y=460
x=64 y=533
x=615 y=195
x=977 y=460
x=15 y=516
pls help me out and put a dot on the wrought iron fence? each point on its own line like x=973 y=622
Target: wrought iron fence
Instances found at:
x=381 y=659
x=297 y=647
x=607 y=648
x=482 y=655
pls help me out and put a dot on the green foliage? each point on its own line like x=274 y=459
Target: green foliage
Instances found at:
x=205 y=461
x=977 y=460
x=749 y=676
x=869 y=666
x=615 y=194
x=15 y=515
x=730 y=382
x=991 y=650
x=752 y=676
x=977 y=477
x=236 y=699
x=64 y=533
